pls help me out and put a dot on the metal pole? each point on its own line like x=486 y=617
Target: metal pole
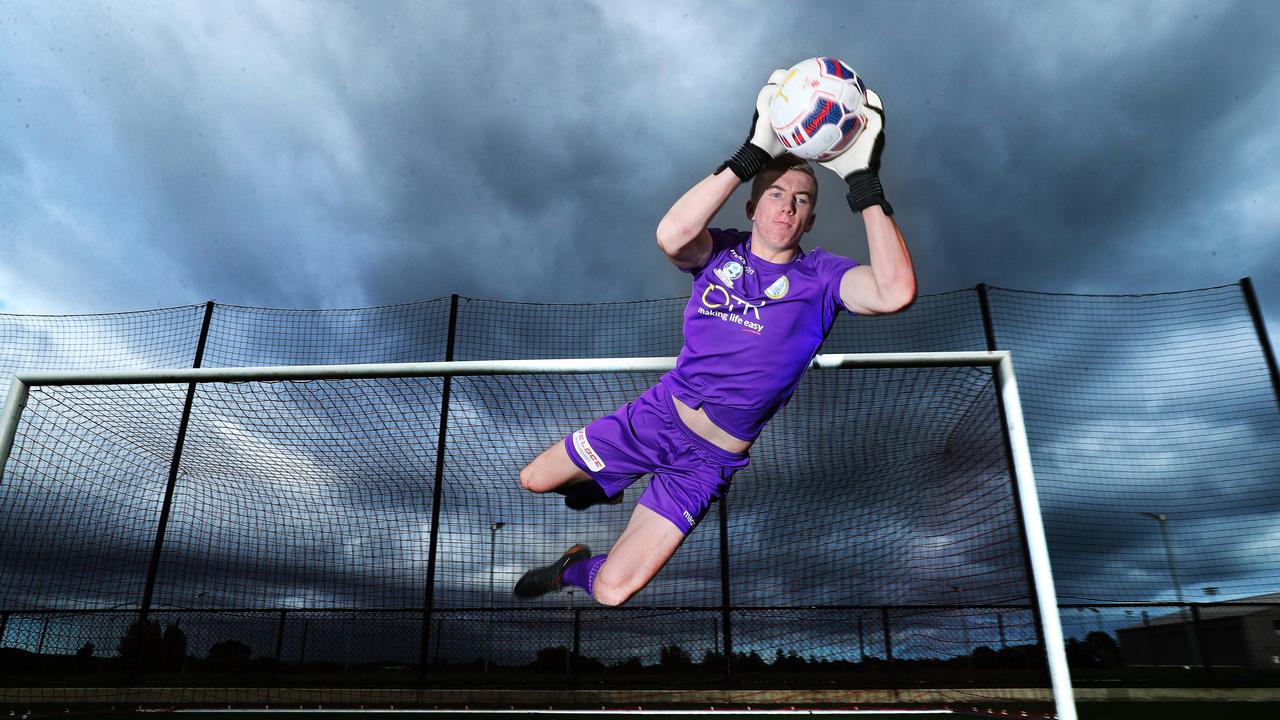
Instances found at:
x=488 y=618
x=888 y=634
x=272 y=373
x=1163 y=521
x=14 y=404
x=862 y=648
x=275 y=667
x=577 y=644
x=171 y=485
x=989 y=329
x=1260 y=326
x=1037 y=546
x=725 y=604
x=1201 y=646
x=437 y=493
x=964 y=629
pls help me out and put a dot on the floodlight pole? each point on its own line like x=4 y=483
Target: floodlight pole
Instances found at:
x=1163 y=521
x=488 y=622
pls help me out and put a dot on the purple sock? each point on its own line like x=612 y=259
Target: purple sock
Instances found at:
x=583 y=572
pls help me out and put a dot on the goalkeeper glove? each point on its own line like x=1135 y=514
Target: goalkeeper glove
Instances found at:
x=860 y=164
x=762 y=143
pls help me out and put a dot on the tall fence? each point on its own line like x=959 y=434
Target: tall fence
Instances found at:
x=1155 y=432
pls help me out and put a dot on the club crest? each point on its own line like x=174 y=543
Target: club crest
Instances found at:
x=729 y=272
x=778 y=289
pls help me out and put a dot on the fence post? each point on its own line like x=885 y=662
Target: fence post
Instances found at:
x=989 y=330
x=1260 y=326
x=725 y=604
x=275 y=668
x=1201 y=649
x=428 y=602
x=577 y=644
x=888 y=634
x=174 y=463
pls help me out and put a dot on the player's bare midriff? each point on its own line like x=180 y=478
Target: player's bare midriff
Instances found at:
x=697 y=421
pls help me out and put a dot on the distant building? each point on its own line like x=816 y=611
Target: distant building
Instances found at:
x=1229 y=635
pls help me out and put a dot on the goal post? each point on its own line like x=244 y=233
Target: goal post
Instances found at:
x=1000 y=362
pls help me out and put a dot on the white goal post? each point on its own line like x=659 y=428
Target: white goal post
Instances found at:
x=1000 y=361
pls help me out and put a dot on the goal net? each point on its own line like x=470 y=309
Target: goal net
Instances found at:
x=319 y=523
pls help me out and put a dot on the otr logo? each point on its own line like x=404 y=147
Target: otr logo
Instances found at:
x=716 y=297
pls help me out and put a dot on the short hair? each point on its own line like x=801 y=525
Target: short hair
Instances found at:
x=780 y=165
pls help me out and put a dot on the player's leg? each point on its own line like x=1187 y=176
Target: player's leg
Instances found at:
x=554 y=471
x=550 y=470
x=639 y=553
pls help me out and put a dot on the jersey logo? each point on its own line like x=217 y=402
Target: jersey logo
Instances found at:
x=729 y=272
x=586 y=452
x=716 y=297
x=778 y=289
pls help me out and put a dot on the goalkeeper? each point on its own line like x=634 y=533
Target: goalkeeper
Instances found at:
x=759 y=310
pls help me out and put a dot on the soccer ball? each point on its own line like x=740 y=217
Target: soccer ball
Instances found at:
x=817 y=111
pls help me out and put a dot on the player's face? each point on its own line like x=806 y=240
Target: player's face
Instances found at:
x=783 y=213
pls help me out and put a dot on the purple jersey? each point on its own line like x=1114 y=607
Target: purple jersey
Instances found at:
x=750 y=329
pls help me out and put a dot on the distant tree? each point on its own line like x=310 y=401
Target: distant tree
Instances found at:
x=630 y=665
x=229 y=653
x=143 y=644
x=674 y=657
x=552 y=658
x=1105 y=649
x=84 y=658
x=748 y=662
x=175 y=647
x=789 y=660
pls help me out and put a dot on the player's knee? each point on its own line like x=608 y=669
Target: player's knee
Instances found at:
x=531 y=479
x=612 y=591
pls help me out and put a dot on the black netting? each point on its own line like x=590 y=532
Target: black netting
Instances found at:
x=1155 y=404
x=875 y=488
x=876 y=514
x=147 y=339
x=248 y=336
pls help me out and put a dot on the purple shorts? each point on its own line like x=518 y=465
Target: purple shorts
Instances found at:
x=647 y=436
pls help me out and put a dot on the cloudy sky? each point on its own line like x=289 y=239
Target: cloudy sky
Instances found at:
x=331 y=154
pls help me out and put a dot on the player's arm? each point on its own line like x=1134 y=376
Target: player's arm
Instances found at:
x=888 y=283
x=682 y=232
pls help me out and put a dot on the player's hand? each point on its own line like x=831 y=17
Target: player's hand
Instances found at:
x=864 y=154
x=761 y=133
x=860 y=164
x=762 y=143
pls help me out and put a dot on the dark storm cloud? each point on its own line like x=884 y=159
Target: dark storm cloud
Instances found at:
x=337 y=155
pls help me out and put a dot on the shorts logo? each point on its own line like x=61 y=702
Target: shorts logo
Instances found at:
x=689 y=517
x=778 y=289
x=586 y=452
x=730 y=272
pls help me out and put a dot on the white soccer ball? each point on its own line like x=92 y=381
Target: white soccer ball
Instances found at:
x=817 y=112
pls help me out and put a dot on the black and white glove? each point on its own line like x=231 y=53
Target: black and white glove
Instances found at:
x=762 y=143
x=860 y=164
